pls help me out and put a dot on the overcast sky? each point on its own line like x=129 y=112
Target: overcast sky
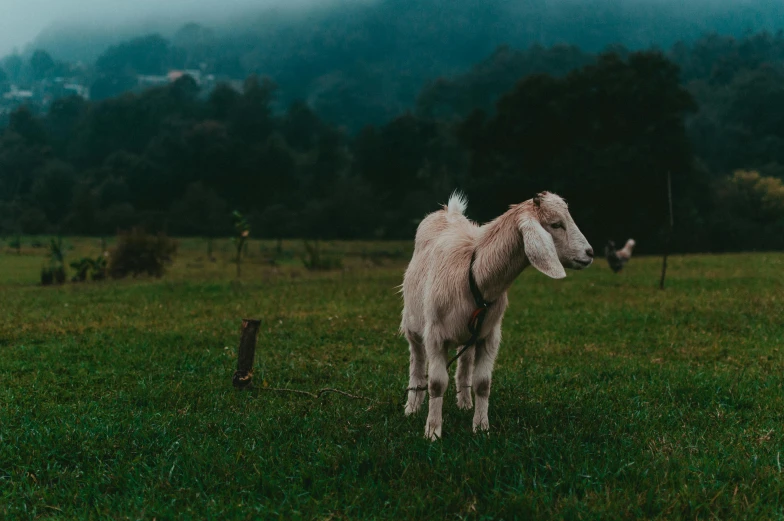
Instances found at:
x=22 y=20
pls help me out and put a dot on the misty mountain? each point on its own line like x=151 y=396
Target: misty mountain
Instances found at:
x=456 y=31
x=76 y=43
x=359 y=62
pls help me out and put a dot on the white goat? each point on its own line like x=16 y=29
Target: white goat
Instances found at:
x=438 y=300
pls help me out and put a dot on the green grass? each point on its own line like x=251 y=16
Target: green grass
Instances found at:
x=611 y=399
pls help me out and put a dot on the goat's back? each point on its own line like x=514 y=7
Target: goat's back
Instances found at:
x=442 y=254
x=444 y=236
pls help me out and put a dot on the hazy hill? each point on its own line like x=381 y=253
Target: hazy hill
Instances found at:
x=366 y=61
x=452 y=31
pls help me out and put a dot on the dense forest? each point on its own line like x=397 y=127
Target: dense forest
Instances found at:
x=602 y=129
x=359 y=62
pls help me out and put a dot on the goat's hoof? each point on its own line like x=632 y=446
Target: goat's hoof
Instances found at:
x=412 y=408
x=432 y=433
x=482 y=426
x=464 y=401
x=415 y=399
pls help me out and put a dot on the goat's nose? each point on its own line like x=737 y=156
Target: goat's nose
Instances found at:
x=589 y=252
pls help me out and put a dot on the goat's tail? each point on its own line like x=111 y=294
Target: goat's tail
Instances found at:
x=457 y=204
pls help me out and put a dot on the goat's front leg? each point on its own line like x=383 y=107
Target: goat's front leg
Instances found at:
x=416 y=373
x=437 y=381
x=486 y=351
x=465 y=369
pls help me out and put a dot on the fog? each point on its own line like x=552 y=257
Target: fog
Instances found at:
x=80 y=30
x=22 y=20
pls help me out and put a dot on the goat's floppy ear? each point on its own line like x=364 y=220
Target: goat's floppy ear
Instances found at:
x=540 y=248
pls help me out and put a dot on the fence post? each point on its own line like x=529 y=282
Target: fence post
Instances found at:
x=243 y=376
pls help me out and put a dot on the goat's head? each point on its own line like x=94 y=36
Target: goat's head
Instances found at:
x=552 y=240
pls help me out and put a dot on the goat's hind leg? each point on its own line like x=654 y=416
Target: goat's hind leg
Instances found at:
x=437 y=381
x=417 y=383
x=463 y=375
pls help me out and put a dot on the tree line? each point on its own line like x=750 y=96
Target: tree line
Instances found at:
x=601 y=130
x=363 y=63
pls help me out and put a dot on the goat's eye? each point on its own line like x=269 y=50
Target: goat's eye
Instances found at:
x=557 y=225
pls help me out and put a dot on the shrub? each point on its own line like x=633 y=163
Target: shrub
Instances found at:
x=54 y=272
x=59 y=274
x=137 y=252
x=82 y=267
x=99 y=268
x=749 y=211
x=47 y=276
x=95 y=267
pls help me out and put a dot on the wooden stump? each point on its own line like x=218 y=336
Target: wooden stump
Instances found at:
x=243 y=376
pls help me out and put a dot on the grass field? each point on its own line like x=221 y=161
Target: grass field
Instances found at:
x=611 y=399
